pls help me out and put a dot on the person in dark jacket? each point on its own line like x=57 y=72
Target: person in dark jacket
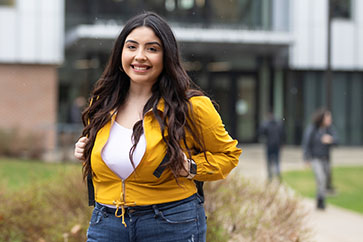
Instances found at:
x=273 y=132
x=317 y=141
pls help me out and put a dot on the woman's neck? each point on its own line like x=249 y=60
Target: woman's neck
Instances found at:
x=131 y=110
x=139 y=93
x=135 y=101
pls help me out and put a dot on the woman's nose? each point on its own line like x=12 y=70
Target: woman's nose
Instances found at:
x=140 y=55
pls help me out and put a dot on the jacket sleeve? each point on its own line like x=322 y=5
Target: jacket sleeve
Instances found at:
x=333 y=133
x=221 y=150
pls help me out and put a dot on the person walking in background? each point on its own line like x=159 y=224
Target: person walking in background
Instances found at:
x=75 y=114
x=317 y=141
x=149 y=141
x=272 y=131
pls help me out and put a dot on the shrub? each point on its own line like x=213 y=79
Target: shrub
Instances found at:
x=46 y=212
x=242 y=210
x=14 y=143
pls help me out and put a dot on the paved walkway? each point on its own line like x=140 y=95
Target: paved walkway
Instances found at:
x=334 y=224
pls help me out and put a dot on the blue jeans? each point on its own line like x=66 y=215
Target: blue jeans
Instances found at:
x=182 y=220
x=321 y=171
x=273 y=162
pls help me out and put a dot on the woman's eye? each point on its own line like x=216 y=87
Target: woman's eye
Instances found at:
x=153 y=49
x=131 y=47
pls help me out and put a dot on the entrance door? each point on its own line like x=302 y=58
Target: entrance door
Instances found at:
x=236 y=94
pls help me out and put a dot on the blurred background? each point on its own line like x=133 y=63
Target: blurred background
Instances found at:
x=251 y=56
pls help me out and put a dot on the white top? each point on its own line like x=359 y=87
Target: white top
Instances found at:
x=116 y=151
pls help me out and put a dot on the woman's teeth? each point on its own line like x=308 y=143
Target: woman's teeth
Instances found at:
x=139 y=68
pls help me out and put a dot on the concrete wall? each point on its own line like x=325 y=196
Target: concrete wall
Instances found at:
x=347 y=40
x=32 y=31
x=309 y=22
x=309 y=29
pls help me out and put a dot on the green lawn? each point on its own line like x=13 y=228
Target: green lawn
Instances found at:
x=16 y=174
x=347 y=180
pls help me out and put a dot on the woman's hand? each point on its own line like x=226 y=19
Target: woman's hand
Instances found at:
x=327 y=139
x=184 y=172
x=79 y=148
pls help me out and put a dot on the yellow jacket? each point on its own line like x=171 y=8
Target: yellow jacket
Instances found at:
x=142 y=187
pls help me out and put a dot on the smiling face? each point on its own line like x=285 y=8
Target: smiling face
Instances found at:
x=142 y=56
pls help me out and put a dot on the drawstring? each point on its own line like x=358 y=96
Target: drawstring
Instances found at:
x=118 y=204
x=122 y=204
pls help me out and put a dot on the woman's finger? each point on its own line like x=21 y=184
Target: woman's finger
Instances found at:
x=80 y=144
x=79 y=155
x=83 y=139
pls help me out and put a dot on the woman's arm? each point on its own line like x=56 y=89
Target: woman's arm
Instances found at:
x=221 y=150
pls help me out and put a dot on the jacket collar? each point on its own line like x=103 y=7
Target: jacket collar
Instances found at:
x=161 y=105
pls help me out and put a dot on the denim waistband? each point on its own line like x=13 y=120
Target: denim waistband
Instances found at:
x=148 y=208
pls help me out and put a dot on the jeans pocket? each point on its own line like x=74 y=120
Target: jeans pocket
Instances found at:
x=200 y=199
x=96 y=217
x=183 y=213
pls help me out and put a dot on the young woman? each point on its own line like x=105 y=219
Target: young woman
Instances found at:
x=148 y=138
x=317 y=140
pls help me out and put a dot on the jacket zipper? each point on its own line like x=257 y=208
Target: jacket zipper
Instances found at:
x=123 y=191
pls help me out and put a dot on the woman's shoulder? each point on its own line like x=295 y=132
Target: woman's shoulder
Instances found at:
x=204 y=111
x=201 y=103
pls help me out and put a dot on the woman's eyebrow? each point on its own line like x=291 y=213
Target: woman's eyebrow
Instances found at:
x=153 y=43
x=148 y=43
x=132 y=41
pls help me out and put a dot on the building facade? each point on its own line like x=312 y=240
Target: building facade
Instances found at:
x=31 y=49
x=249 y=56
x=228 y=47
x=317 y=76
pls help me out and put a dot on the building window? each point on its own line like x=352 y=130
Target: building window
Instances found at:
x=341 y=9
x=9 y=3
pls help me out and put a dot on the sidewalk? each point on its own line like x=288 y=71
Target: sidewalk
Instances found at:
x=334 y=224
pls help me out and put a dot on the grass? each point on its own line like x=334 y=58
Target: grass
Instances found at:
x=347 y=180
x=16 y=174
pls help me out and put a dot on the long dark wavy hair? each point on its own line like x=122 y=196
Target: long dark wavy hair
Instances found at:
x=173 y=86
x=318 y=117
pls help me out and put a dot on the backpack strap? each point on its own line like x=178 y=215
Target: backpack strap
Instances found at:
x=91 y=191
x=161 y=167
x=200 y=192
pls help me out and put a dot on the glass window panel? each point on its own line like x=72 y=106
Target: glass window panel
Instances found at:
x=247 y=14
x=221 y=94
x=341 y=8
x=243 y=14
x=339 y=104
x=314 y=94
x=246 y=108
x=356 y=112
